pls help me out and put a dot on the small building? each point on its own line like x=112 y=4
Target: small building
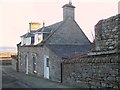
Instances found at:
x=42 y=51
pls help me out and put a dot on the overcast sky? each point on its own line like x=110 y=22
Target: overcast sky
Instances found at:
x=15 y=15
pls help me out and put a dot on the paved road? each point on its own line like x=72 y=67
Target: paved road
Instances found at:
x=10 y=79
x=13 y=79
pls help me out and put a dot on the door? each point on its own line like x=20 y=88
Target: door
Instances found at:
x=46 y=67
x=26 y=64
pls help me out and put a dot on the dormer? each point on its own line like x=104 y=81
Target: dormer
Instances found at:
x=38 y=37
x=27 y=39
x=41 y=34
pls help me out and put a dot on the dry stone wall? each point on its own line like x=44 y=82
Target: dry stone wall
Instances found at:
x=94 y=71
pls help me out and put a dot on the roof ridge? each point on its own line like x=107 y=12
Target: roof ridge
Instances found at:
x=54 y=24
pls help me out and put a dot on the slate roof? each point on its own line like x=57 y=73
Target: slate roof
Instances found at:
x=68 y=30
x=55 y=26
x=29 y=34
x=67 y=51
x=44 y=29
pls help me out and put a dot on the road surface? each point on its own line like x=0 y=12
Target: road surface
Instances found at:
x=13 y=79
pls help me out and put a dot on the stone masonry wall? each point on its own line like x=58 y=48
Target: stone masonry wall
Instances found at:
x=99 y=71
x=54 y=61
x=106 y=34
x=30 y=51
x=55 y=67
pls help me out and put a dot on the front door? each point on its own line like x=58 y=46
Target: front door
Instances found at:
x=46 y=67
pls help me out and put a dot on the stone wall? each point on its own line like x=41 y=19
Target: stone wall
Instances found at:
x=14 y=64
x=39 y=52
x=30 y=51
x=94 y=71
x=55 y=67
x=106 y=34
x=5 y=62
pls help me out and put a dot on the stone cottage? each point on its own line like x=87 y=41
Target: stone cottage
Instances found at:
x=42 y=51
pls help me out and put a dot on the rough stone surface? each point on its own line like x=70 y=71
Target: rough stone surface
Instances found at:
x=93 y=71
x=54 y=61
x=106 y=34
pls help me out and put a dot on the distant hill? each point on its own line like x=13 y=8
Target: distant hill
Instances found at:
x=7 y=49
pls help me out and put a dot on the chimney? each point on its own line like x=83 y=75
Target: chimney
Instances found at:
x=34 y=26
x=68 y=10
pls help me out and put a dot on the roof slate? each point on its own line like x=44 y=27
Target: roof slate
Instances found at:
x=67 y=51
x=29 y=34
x=68 y=30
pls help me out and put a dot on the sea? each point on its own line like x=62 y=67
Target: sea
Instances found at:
x=7 y=49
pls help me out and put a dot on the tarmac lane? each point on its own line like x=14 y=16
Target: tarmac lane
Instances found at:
x=10 y=81
x=19 y=80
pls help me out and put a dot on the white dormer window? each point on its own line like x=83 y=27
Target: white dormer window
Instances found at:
x=28 y=40
x=38 y=38
x=23 y=41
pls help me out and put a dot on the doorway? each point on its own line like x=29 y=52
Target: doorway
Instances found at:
x=46 y=67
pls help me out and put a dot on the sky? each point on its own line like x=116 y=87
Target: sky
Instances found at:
x=15 y=16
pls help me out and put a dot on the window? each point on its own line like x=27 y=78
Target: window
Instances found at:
x=47 y=62
x=34 y=63
x=32 y=40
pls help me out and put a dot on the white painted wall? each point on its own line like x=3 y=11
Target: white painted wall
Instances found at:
x=22 y=41
x=26 y=41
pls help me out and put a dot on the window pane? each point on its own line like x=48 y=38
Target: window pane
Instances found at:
x=47 y=62
x=32 y=40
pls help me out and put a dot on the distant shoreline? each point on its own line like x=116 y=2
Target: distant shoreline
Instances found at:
x=8 y=49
